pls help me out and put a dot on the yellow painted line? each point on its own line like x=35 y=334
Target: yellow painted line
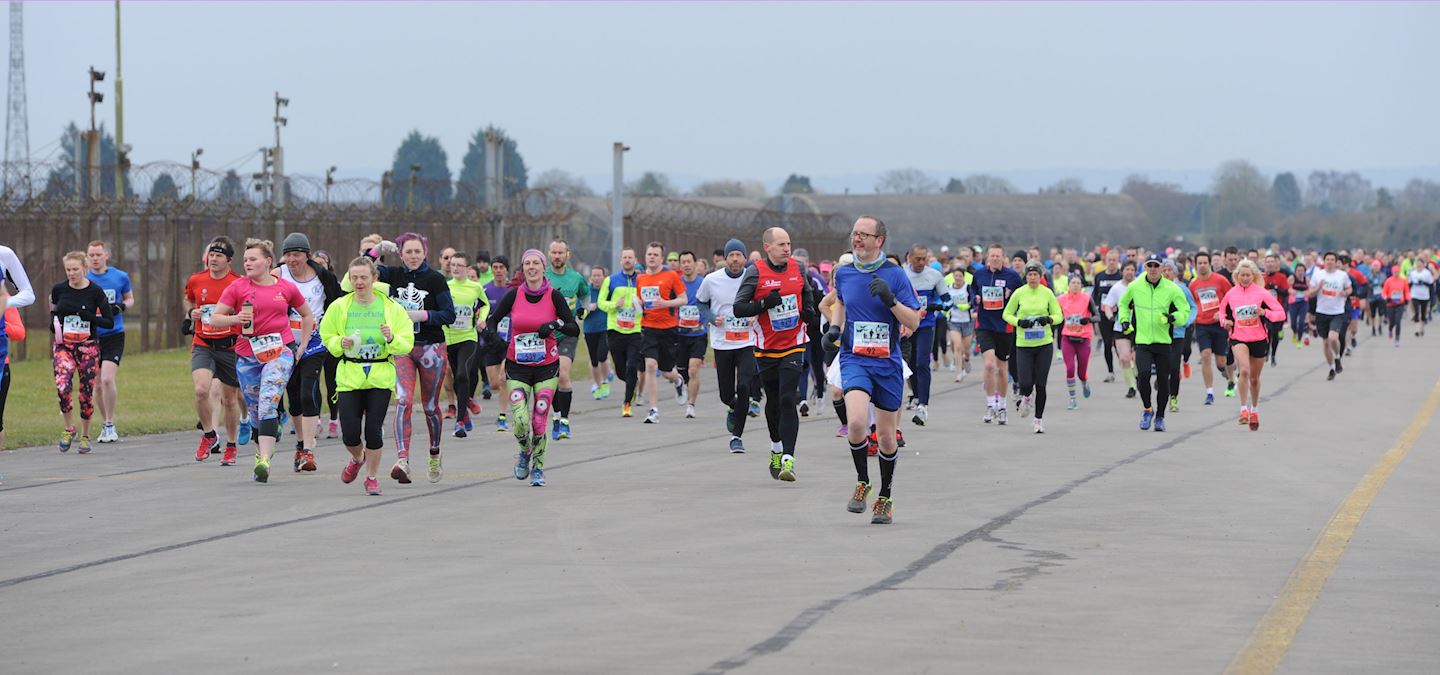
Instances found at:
x=1271 y=640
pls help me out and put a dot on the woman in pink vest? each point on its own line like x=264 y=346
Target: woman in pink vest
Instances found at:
x=1075 y=335
x=1243 y=312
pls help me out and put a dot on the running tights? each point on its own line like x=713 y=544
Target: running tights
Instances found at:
x=530 y=401
x=734 y=370
x=425 y=363
x=76 y=358
x=625 y=357
x=465 y=367
x=1107 y=344
x=304 y=388
x=263 y=384
x=364 y=408
x=1077 y=358
x=1396 y=316
x=1158 y=357
x=781 y=381
x=1177 y=356
x=917 y=354
x=1033 y=364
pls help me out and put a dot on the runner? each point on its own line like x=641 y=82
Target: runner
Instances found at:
x=990 y=289
x=1076 y=337
x=1208 y=289
x=1124 y=342
x=1103 y=280
x=537 y=313
x=1330 y=287
x=930 y=284
x=1245 y=310
x=874 y=301
x=493 y=347
x=594 y=328
x=1397 y=297
x=660 y=291
x=11 y=329
x=462 y=341
x=1150 y=307
x=776 y=291
x=319 y=288
x=691 y=326
x=426 y=299
x=331 y=363
x=573 y=286
x=366 y=331
x=116 y=285
x=24 y=294
x=731 y=337
x=1277 y=282
x=260 y=304
x=959 y=323
x=77 y=308
x=212 y=352
x=1033 y=309
x=622 y=308
x=1299 y=304
x=1421 y=279
x=1180 y=335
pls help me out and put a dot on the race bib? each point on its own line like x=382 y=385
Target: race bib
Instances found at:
x=737 y=329
x=502 y=330
x=295 y=325
x=1034 y=332
x=870 y=338
x=992 y=297
x=75 y=329
x=109 y=295
x=267 y=347
x=1247 y=316
x=207 y=311
x=785 y=315
x=625 y=317
x=529 y=348
x=1209 y=299
x=1072 y=325
x=689 y=316
x=464 y=317
x=1397 y=296
x=649 y=295
x=1331 y=289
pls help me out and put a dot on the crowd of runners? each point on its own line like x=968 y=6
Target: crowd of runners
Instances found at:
x=300 y=344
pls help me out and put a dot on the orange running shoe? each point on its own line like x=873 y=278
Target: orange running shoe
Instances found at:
x=1254 y=421
x=228 y=459
x=207 y=446
x=1244 y=417
x=308 y=461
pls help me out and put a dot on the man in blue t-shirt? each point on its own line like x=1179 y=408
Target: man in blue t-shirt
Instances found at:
x=990 y=289
x=116 y=285
x=693 y=332
x=874 y=300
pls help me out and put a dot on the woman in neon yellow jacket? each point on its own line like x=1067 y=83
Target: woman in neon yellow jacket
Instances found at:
x=365 y=330
x=1033 y=309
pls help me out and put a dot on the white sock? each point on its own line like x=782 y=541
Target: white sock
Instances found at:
x=776 y=447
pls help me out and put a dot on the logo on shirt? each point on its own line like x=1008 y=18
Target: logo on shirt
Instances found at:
x=770 y=283
x=411 y=297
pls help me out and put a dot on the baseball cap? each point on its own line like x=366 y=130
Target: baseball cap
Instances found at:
x=1153 y=258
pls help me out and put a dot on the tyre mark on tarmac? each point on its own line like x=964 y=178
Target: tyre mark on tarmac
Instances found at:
x=807 y=618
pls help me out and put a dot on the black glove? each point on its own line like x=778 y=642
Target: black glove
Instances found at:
x=117 y=309
x=880 y=289
x=832 y=336
x=934 y=308
x=187 y=327
x=1169 y=318
x=1025 y=323
x=771 y=301
x=1125 y=328
x=580 y=313
x=488 y=336
x=548 y=329
x=1084 y=320
x=1042 y=320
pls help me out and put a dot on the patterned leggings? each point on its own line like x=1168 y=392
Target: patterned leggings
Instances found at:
x=530 y=400
x=71 y=358
x=263 y=384
x=427 y=364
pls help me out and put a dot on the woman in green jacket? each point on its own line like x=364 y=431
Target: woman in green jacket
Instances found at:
x=366 y=330
x=1032 y=309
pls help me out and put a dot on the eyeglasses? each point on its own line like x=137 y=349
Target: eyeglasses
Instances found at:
x=858 y=233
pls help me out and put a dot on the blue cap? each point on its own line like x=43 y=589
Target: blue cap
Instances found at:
x=734 y=245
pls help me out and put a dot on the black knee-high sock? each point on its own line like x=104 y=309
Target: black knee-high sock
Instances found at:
x=562 y=402
x=862 y=461
x=840 y=411
x=887 y=472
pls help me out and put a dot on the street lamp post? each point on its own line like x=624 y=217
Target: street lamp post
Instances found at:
x=277 y=189
x=617 y=207
x=329 y=180
x=195 y=169
x=92 y=139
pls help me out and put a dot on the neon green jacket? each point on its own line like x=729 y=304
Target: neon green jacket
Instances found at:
x=347 y=318
x=1028 y=303
x=612 y=300
x=1144 y=307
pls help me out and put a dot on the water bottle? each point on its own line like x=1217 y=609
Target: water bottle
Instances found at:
x=248 y=327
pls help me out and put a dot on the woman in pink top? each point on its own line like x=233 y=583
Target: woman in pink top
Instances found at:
x=1243 y=312
x=260 y=304
x=1079 y=310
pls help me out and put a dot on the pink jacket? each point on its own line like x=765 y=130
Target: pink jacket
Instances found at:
x=1245 y=305
x=1074 y=306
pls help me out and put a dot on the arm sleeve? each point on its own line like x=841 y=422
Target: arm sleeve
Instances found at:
x=745 y=303
x=497 y=313
x=1009 y=314
x=330 y=326
x=562 y=311
x=444 y=312
x=606 y=301
x=24 y=295
x=107 y=317
x=1057 y=317
x=942 y=295
x=1122 y=313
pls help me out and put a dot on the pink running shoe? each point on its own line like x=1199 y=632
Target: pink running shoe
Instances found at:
x=372 y=486
x=351 y=470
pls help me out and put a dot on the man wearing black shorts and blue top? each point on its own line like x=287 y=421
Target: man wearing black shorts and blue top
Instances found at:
x=874 y=299
x=116 y=285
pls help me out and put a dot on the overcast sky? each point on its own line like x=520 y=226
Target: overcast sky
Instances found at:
x=758 y=90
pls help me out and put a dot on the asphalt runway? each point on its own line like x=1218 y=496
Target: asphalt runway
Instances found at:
x=1094 y=548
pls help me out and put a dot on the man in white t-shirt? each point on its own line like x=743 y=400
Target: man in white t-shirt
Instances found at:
x=1421 y=279
x=1331 y=289
x=731 y=338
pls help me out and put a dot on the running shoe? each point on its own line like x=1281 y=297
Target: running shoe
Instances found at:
x=595 y=391
x=299 y=458
x=857 y=500
x=450 y=412
x=564 y=428
x=689 y=411
x=107 y=433
x=1230 y=389
x=1355 y=343
x=625 y=410
x=401 y=471
x=84 y=445
x=537 y=477
x=1174 y=404
x=1001 y=417
x=351 y=470
x=1131 y=393
x=1159 y=423
x=228 y=459
x=1025 y=405
x=1186 y=370
x=1085 y=387
x=500 y=424
x=485 y=393
x=921 y=415
x=1038 y=426
x=1307 y=340
x=775 y=465
x=1244 y=417
x=66 y=438
x=372 y=487
x=1110 y=377
x=307 y=463
x=899 y=439
x=843 y=431
x=207 y=446
x=1146 y=418
x=605 y=390
x=1072 y=405
x=872 y=444
x=805 y=407
x=754 y=409
x=736 y=446
x=1254 y=421
x=460 y=430
x=653 y=417
x=469 y=424
x=1331 y=376
x=262 y=470
x=989 y=414
x=475 y=408
x=555 y=429
x=883 y=507
x=1339 y=368
x=333 y=431
x=959 y=377
x=787 y=469
x=242 y=437
x=436 y=471
x=1209 y=398
x=680 y=397
x=522 y=465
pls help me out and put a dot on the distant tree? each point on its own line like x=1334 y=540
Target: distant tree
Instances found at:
x=1339 y=192
x=232 y=190
x=432 y=185
x=470 y=188
x=797 y=184
x=1384 y=200
x=1242 y=197
x=955 y=187
x=563 y=182
x=61 y=180
x=752 y=189
x=1168 y=207
x=1285 y=193
x=1419 y=195
x=1067 y=186
x=906 y=181
x=164 y=188
x=653 y=184
x=986 y=184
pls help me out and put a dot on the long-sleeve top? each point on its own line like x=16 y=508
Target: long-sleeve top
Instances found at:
x=1027 y=304
x=80 y=310
x=1246 y=305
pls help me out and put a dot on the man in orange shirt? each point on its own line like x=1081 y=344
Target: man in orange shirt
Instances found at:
x=212 y=353
x=660 y=290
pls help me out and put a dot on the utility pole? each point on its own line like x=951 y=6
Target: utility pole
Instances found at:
x=278 y=187
x=122 y=151
x=329 y=181
x=195 y=169
x=92 y=139
x=617 y=207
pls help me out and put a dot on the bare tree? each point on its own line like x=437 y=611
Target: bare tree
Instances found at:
x=752 y=189
x=1346 y=192
x=906 y=181
x=563 y=182
x=986 y=184
x=1242 y=197
x=1067 y=186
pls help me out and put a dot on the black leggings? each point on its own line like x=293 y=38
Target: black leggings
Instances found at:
x=625 y=356
x=331 y=363
x=941 y=343
x=1277 y=332
x=595 y=344
x=1033 y=364
x=1422 y=310
x=369 y=404
x=465 y=369
x=1177 y=356
x=303 y=392
x=781 y=380
x=1157 y=356
x=734 y=370
x=1395 y=313
x=1107 y=344
x=5 y=392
